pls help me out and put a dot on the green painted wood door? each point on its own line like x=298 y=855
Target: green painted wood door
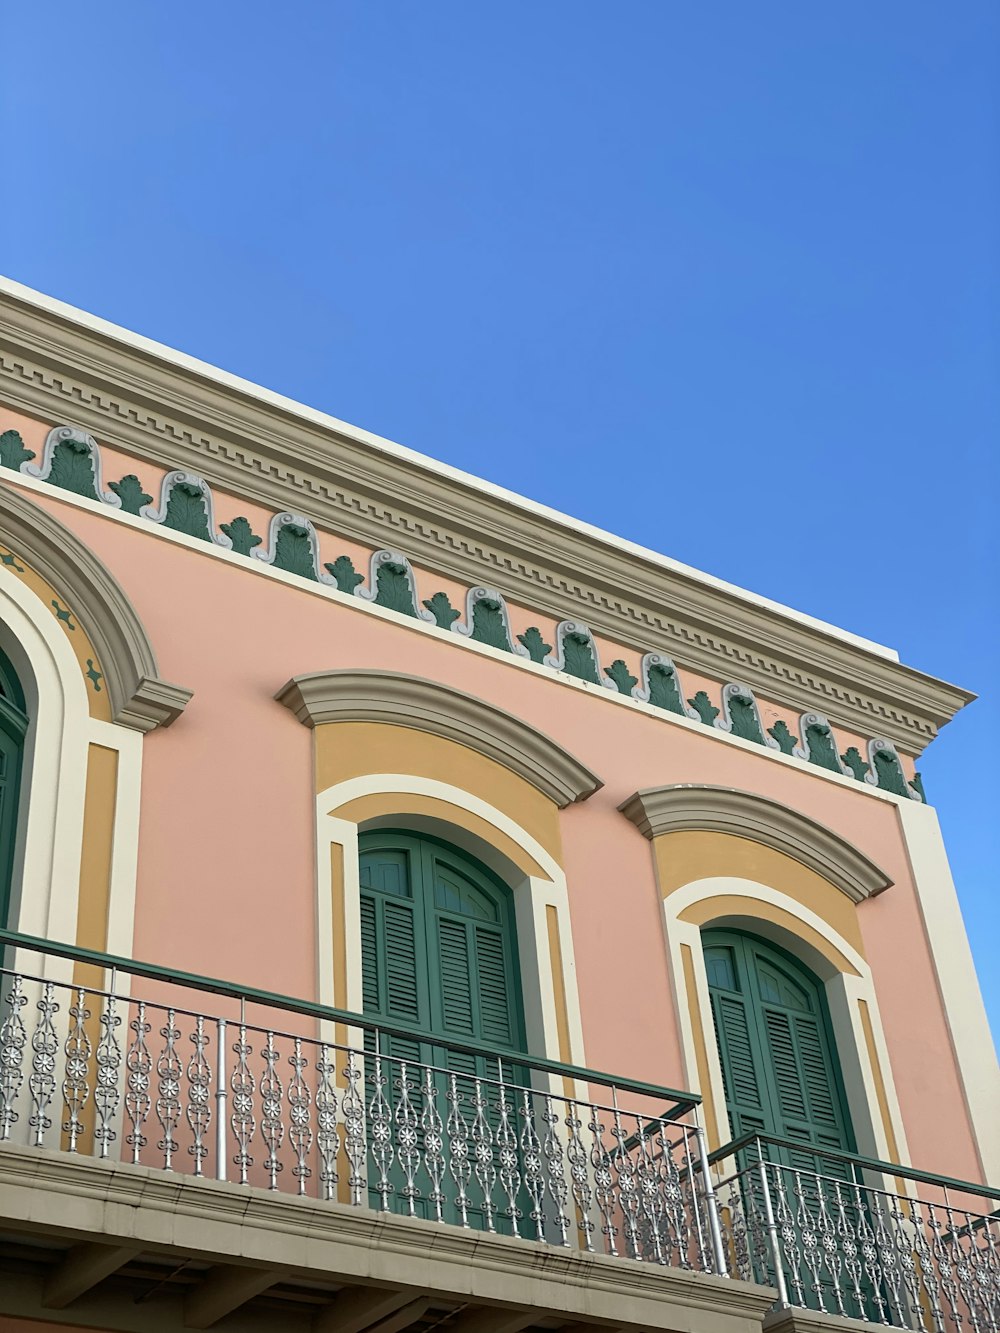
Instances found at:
x=779 y=1064
x=13 y=726
x=439 y=951
x=780 y=1071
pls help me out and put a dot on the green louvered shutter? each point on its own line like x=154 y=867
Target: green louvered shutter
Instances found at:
x=13 y=726
x=775 y=1048
x=439 y=950
x=746 y=1095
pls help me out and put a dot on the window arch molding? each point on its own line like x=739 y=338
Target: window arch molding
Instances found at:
x=744 y=905
x=139 y=698
x=366 y=695
x=689 y=807
x=537 y=882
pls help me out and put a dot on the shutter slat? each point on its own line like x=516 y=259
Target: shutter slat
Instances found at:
x=456 y=981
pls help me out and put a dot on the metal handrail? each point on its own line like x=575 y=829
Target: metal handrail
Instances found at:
x=855 y=1159
x=682 y=1101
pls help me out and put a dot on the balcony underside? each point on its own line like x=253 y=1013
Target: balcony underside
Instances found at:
x=101 y=1245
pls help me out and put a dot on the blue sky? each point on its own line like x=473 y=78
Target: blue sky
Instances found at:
x=724 y=278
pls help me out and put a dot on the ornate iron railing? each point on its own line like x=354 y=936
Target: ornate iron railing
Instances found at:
x=284 y=1094
x=862 y=1238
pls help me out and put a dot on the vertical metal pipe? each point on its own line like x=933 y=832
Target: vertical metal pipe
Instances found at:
x=772 y=1232
x=712 y=1205
x=221 y=1091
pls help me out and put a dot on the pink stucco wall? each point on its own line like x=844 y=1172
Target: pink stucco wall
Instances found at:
x=226 y=857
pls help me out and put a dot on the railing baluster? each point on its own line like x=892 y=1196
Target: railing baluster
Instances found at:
x=221 y=1099
x=552 y=1152
x=510 y=1176
x=531 y=1155
x=138 y=1081
x=354 y=1119
x=199 y=1095
x=242 y=1120
x=107 y=1090
x=300 y=1117
x=272 y=1126
x=583 y=1193
x=432 y=1126
x=458 y=1149
x=408 y=1139
x=13 y=1039
x=168 y=1105
x=44 y=1050
x=327 y=1137
x=604 y=1179
x=772 y=1234
x=76 y=1073
x=482 y=1139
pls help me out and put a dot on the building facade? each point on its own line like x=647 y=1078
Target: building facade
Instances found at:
x=425 y=911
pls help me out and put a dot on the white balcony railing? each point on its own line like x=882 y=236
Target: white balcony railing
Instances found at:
x=134 y=1064
x=855 y=1237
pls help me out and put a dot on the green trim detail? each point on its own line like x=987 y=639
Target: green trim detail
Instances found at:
x=346 y=576
x=888 y=769
x=743 y=719
x=531 y=640
x=819 y=744
x=918 y=786
x=578 y=656
x=73 y=468
x=704 y=707
x=665 y=688
x=786 y=740
x=442 y=610
x=93 y=675
x=13 y=725
x=72 y=461
x=623 y=679
x=488 y=624
x=64 y=614
x=392 y=588
x=854 y=760
x=12 y=450
x=293 y=551
x=242 y=535
x=187 y=511
x=129 y=491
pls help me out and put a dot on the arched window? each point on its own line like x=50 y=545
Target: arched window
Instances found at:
x=13 y=726
x=776 y=1048
x=439 y=952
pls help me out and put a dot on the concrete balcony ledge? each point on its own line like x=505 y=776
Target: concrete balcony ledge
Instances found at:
x=240 y=1245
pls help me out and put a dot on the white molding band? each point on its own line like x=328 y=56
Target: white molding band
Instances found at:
x=684 y=807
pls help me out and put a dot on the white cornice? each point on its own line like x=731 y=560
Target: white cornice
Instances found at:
x=158 y=404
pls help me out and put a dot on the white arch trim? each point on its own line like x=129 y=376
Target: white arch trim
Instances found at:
x=46 y=879
x=533 y=895
x=843 y=992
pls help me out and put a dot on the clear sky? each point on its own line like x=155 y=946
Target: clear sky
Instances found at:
x=722 y=278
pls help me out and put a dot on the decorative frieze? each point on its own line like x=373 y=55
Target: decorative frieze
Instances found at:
x=72 y=460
